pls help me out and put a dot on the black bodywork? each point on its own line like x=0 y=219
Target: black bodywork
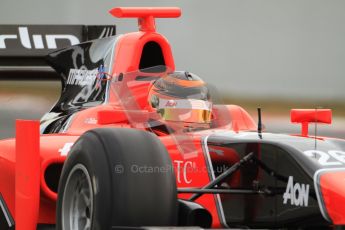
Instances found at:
x=276 y=157
x=82 y=69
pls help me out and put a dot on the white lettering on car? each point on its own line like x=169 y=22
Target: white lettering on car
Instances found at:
x=91 y=121
x=182 y=167
x=297 y=193
x=338 y=155
x=82 y=77
x=66 y=148
x=331 y=158
x=24 y=37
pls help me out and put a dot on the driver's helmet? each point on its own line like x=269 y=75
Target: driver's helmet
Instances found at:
x=181 y=97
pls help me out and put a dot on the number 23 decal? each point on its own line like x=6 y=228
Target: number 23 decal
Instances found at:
x=331 y=158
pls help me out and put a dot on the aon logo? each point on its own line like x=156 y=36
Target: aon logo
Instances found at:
x=297 y=193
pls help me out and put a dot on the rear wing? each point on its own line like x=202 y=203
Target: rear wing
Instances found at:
x=23 y=47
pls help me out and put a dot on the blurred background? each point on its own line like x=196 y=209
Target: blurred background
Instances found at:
x=273 y=54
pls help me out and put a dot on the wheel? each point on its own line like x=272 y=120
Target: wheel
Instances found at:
x=116 y=177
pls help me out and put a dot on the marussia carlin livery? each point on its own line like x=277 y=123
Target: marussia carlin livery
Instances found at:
x=134 y=142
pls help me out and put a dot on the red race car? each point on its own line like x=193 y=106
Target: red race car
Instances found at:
x=133 y=142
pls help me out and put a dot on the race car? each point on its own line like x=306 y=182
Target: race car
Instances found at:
x=132 y=142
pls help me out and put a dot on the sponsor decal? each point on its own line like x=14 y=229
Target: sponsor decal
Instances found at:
x=185 y=104
x=171 y=103
x=82 y=77
x=101 y=72
x=182 y=168
x=91 y=121
x=329 y=158
x=36 y=41
x=40 y=40
x=102 y=75
x=66 y=148
x=297 y=193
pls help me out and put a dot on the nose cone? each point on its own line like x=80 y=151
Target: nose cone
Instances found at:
x=332 y=193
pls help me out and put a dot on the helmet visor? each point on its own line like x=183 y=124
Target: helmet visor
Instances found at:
x=185 y=110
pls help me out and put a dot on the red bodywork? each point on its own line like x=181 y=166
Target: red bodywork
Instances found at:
x=332 y=190
x=306 y=116
x=23 y=179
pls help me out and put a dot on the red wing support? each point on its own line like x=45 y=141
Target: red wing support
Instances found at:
x=306 y=116
x=146 y=15
x=27 y=179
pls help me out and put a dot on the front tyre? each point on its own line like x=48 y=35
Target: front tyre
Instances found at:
x=99 y=188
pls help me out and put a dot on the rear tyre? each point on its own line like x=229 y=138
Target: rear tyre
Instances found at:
x=116 y=177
